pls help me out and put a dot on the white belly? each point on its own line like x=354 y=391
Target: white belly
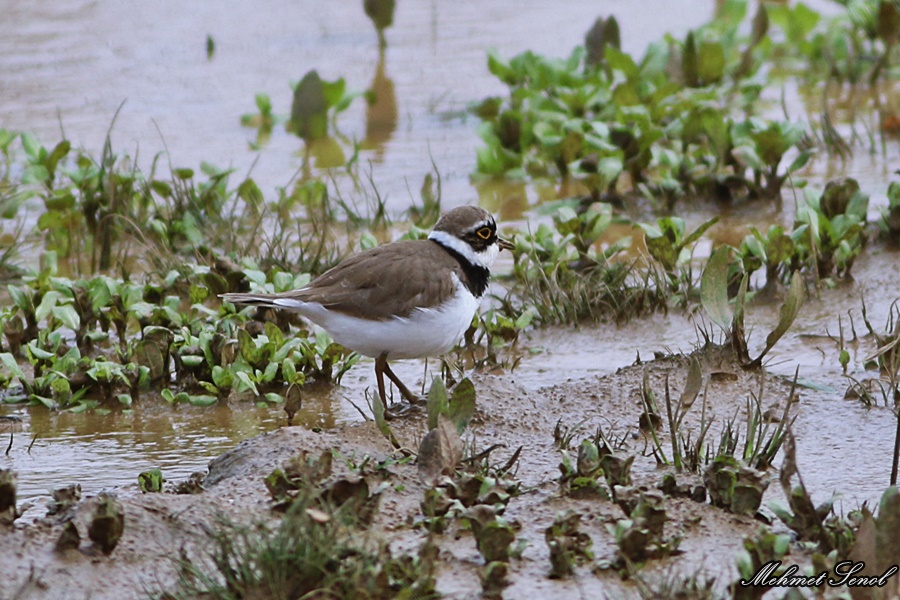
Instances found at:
x=426 y=332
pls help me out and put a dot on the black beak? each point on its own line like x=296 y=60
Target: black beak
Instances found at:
x=505 y=244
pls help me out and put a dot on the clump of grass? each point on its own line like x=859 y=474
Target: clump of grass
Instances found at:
x=674 y=584
x=561 y=272
x=314 y=551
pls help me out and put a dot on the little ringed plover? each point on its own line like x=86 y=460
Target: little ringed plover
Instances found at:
x=408 y=299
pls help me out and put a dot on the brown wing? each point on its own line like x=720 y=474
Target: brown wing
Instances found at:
x=382 y=282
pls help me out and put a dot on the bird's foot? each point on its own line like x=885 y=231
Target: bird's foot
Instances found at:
x=403 y=409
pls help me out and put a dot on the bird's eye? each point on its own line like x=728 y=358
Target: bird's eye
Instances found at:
x=485 y=233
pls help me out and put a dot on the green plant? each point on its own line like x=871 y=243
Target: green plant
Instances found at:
x=8 y=490
x=263 y=121
x=760 y=550
x=773 y=252
x=714 y=297
x=581 y=479
x=314 y=548
x=610 y=120
x=130 y=336
x=566 y=278
x=889 y=224
x=818 y=524
x=569 y=546
x=830 y=230
x=493 y=338
x=760 y=146
x=441 y=449
x=669 y=244
x=858 y=42
x=735 y=487
x=641 y=536
x=685 y=451
x=151 y=481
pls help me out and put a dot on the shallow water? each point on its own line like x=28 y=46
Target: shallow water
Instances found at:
x=70 y=65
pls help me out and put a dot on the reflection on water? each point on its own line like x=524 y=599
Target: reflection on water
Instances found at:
x=101 y=451
x=381 y=112
x=106 y=451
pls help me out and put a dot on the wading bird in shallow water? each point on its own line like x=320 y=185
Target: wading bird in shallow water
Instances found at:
x=409 y=299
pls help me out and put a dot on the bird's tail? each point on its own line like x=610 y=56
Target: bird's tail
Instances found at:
x=252 y=299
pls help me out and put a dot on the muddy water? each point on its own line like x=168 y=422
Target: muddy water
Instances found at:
x=103 y=451
x=70 y=65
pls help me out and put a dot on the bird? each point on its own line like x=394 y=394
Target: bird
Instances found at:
x=406 y=299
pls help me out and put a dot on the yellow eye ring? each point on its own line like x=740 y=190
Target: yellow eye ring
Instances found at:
x=485 y=233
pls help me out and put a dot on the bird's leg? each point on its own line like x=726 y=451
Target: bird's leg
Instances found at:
x=410 y=397
x=380 y=367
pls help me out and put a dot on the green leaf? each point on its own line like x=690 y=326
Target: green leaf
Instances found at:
x=283 y=282
x=799 y=162
x=250 y=193
x=247 y=346
x=68 y=316
x=209 y=387
x=288 y=370
x=747 y=156
x=284 y=351
x=192 y=361
x=46 y=306
x=36 y=352
x=12 y=366
x=151 y=481
x=695 y=235
x=462 y=404
x=47 y=402
x=58 y=153
x=21 y=298
x=255 y=276
x=263 y=103
x=714 y=289
x=692 y=385
x=620 y=61
x=689 y=66
x=274 y=398
x=223 y=378
x=499 y=67
x=31 y=145
x=247 y=383
x=437 y=403
x=333 y=91
x=663 y=250
x=36 y=174
x=202 y=399
x=270 y=373
x=367 y=241
x=382 y=424
x=779 y=246
x=710 y=62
